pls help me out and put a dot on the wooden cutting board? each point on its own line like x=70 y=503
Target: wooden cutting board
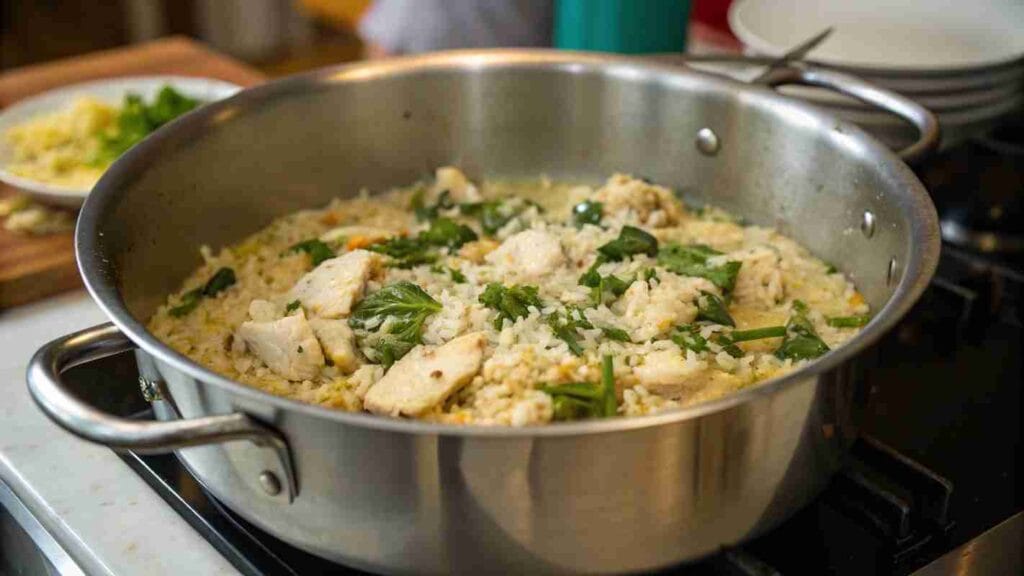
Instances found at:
x=33 y=267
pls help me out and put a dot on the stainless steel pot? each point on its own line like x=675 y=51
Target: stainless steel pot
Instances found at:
x=404 y=496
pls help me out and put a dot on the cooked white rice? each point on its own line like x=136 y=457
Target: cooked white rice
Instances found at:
x=525 y=354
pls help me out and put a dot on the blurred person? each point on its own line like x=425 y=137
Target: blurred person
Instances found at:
x=393 y=27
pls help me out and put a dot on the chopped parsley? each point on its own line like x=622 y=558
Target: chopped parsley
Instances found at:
x=587 y=212
x=292 y=307
x=317 y=250
x=510 y=302
x=582 y=400
x=408 y=252
x=455 y=274
x=848 y=321
x=616 y=334
x=394 y=315
x=565 y=324
x=447 y=233
x=693 y=261
x=801 y=342
x=631 y=241
x=425 y=213
x=221 y=280
x=710 y=308
x=136 y=120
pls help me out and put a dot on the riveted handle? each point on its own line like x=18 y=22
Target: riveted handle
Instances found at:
x=920 y=117
x=50 y=392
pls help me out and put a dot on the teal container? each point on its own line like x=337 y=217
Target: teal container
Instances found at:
x=624 y=26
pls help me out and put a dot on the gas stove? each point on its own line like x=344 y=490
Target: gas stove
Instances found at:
x=932 y=486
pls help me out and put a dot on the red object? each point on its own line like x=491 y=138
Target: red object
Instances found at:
x=714 y=13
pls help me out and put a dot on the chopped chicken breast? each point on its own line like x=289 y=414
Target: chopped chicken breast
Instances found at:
x=426 y=376
x=452 y=180
x=338 y=342
x=263 y=310
x=651 y=205
x=528 y=254
x=666 y=372
x=287 y=346
x=330 y=289
x=653 y=311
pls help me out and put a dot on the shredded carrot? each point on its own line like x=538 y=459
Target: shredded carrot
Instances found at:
x=856 y=299
x=356 y=242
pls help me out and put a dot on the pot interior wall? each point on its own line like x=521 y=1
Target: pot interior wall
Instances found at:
x=227 y=171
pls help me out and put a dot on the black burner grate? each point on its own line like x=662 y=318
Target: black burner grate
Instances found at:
x=901 y=504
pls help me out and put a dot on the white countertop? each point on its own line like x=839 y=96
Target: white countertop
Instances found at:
x=104 y=515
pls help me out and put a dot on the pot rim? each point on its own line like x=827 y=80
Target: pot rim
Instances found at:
x=922 y=254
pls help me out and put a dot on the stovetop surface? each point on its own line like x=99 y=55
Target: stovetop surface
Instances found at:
x=938 y=465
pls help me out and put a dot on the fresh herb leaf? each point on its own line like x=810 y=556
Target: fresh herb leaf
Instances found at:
x=757 y=333
x=292 y=307
x=411 y=252
x=402 y=300
x=608 y=386
x=830 y=269
x=189 y=301
x=457 y=276
x=801 y=342
x=221 y=280
x=493 y=214
x=728 y=340
x=587 y=212
x=688 y=337
x=600 y=285
x=448 y=233
x=693 y=261
x=710 y=308
x=579 y=390
x=136 y=120
x=405 y=252
x=510 y=302
x=581 y=400
x=565 y=324
x=401 y=308
x=566 y=408
x=425 y=213
x=848 y=321
x=317 y=250
x=631 y=241
x=616 y=334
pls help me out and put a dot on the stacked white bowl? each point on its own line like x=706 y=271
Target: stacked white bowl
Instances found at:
x=964 y=60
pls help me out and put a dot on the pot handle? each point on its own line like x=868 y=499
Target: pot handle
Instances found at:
x=923 y=120
x=51 y=394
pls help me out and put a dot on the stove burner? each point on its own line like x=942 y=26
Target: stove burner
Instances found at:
x=978 y=189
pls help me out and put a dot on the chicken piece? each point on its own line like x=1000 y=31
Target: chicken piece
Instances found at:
x=426 y=376
x=759 y=282
x=652 y=205
x=264 y=310
x=330 y=289
x=459 y=188
x=530 y=254
x=667 y=372
x=287 y=346
x=338 y=342
x=650 y=312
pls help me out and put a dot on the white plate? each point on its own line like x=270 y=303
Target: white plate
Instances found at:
x=949 y=102
x=112 y=91
x=891 y=35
